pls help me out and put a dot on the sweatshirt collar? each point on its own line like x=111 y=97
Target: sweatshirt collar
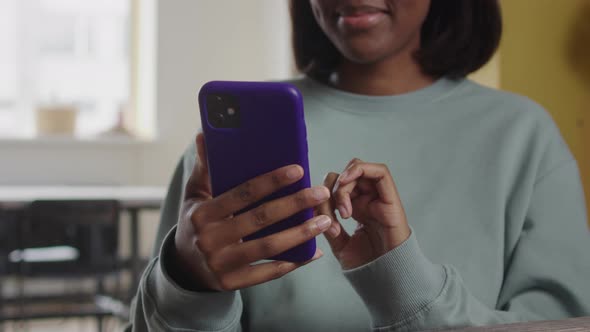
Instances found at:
x=347 y=101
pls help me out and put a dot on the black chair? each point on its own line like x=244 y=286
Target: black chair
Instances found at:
x=65 y=241
x=9 y=240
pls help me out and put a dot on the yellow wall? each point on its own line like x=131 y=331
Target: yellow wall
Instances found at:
x=535 y=61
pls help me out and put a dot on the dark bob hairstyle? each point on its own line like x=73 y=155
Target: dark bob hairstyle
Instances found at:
x=457 y=38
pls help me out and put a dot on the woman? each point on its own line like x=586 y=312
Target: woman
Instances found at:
x=468 y=202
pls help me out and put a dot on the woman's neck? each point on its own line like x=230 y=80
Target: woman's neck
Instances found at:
x=393 y=76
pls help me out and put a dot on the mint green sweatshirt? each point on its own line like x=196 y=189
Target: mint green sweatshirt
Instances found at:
x=491 y=192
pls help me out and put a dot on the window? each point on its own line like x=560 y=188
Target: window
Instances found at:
x=64 y=52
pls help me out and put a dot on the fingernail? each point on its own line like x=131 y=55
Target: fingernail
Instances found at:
x=342 y=210
x=318 y=254
x=349 y=209
x=343 y=176
x=323 y=222
x=320 y=193
x=333 y=230
x=294 y=173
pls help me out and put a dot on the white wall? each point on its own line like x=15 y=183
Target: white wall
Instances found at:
x=200 y=41
x=197 y=41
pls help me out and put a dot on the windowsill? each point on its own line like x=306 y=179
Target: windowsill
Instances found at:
x=65 y=141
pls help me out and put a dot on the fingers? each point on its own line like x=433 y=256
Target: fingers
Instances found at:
x=199 y=184
x=336 y=235
x=248 y=252
x=267 y=214
x=250 y=192
x=379 y=173
x=202 y=154
x=342 y=198
x=368 y=179
x=345 y=194
x=256 y=274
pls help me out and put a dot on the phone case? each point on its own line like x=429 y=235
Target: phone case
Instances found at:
x=271 y=134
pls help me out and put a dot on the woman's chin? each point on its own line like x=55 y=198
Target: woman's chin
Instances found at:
x=366 y=50
x=363 y=56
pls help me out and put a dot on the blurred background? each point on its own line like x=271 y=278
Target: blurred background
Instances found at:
x=101 y=95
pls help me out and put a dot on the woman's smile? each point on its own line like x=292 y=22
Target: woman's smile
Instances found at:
x=351 y=18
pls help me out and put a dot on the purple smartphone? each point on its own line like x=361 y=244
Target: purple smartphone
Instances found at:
x=252 y=128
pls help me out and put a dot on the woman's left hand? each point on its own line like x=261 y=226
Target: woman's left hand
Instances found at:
x=367 y=193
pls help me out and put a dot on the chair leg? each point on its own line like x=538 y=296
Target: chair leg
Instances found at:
x=100 y=286
x=99 y=323
x=1 y=303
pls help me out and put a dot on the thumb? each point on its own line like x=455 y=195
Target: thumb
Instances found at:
x=199 y=183
x=336 y=235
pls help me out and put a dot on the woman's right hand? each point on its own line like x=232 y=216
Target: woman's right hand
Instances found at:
x=208 y=240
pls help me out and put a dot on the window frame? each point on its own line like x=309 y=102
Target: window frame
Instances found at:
x=142 y=49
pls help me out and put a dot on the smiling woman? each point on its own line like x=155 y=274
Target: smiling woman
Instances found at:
x=456 y=37
x=370 y=32
x=362 y=18
x=382 y=36
x=466 y=203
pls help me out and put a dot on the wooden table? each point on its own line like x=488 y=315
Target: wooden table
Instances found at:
x=133 y=199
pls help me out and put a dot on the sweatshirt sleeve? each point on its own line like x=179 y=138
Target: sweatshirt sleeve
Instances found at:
x=160 y=303
x=546 y=277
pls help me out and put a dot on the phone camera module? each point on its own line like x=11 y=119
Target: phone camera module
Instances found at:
x=223 y=111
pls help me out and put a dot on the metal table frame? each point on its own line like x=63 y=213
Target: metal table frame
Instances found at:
x=133 y=200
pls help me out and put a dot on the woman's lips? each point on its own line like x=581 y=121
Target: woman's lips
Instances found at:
x=361 y=19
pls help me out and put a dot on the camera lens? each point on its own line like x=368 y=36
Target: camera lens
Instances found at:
x=223 y=110
x=217 y=118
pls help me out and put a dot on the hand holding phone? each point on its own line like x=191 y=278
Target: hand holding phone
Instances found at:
x=253 y=128
x=209 y=249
